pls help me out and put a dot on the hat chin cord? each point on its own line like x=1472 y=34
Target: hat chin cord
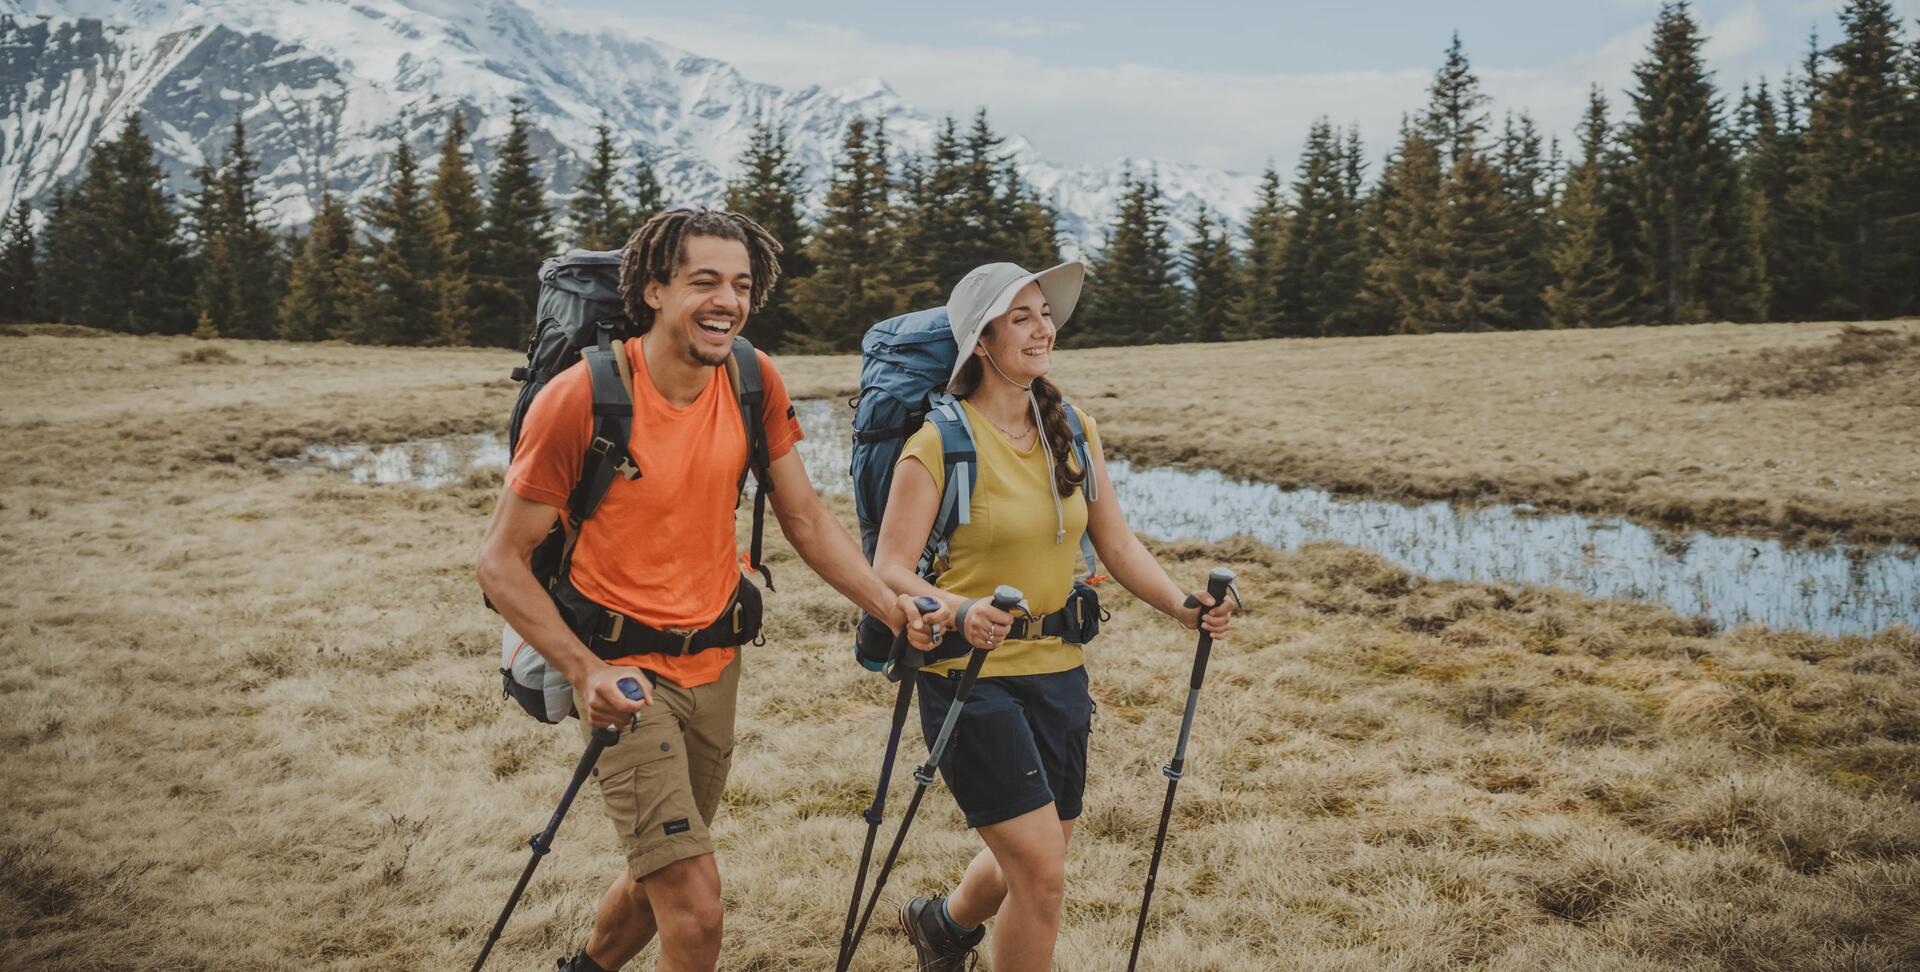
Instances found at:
x=1039 y=426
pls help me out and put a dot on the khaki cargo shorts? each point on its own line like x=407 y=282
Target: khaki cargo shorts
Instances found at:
x=661 y=782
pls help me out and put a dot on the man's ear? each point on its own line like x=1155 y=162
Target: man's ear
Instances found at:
x=651 y=294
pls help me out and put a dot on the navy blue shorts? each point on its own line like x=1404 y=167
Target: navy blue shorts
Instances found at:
x=1021 y=742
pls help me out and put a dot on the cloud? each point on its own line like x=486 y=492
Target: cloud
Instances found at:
x=1098 y=113
x=1027 y=28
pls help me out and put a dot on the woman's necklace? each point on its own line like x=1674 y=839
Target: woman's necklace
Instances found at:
x=1025 y=427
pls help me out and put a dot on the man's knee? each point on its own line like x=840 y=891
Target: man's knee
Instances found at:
x=686 y=895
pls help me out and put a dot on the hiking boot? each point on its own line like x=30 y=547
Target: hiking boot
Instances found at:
x=938 y=948
x=578 y=963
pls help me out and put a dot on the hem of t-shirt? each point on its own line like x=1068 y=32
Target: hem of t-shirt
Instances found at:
x=527 y=491
x=1049 y=660
x=676 y=677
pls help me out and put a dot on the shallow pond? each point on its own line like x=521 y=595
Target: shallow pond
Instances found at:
x=1730 y=580
x=424 y=462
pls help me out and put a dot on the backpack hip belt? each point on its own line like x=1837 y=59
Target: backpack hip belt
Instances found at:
x=610 y=634
x=1070 y=624
x=1076 y=624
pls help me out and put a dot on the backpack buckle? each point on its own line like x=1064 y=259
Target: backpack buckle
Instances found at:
x=619 y=625
x=686 y=639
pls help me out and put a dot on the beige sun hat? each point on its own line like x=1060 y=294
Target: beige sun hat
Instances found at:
x=986 y=292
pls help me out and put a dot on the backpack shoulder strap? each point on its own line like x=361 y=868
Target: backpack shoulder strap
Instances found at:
x=1083 y=456
x=607 y=454
x=749 y=387
x=961 y=464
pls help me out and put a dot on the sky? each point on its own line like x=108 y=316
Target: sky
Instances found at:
x=1226 y=85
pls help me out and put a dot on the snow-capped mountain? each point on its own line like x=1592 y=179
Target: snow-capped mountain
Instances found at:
x=327 y=86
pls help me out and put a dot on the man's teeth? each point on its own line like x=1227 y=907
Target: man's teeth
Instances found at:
x=717 y=327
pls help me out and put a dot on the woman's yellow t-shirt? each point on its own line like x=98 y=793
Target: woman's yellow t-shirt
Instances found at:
x=1010 y=539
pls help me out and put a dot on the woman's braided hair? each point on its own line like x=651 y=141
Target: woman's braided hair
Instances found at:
x=656 y=249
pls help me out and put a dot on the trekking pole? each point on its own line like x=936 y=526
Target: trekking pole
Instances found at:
x=900 y=668
x=1219 y=582
x=603 y=736
x=1006 y=599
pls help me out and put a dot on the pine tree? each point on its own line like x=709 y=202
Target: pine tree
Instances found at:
x=1455 y=119
x=455 y=221
x=1700 y=256
x=519 y=237
x=1405 y=255
x=204 y=229
x=1261 y=298
x=401 y=296
x=648 y=199
x=1473 y=279
x=598 y=216
x=18 y=258
x=769 y=190
x=1134 y=296
x=1525 y=183
x=1863 y=137
x=1770 y=155
x=129 y=264
x=1213 y=279
x=854 y=286
x=456 y=198
x=60 y=283
x=1586 y=289
x=1321 y=266
x=1353 y=315
x=237 y=252
x=321 y=288
x=936 y=233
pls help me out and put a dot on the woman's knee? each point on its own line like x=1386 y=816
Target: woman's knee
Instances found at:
x=1037 y=875
x=1041 y=886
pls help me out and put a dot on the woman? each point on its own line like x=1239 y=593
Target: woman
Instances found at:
x=1017 y=762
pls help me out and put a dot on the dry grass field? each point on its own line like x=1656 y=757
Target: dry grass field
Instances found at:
x=1804 y=431
x=251 y=719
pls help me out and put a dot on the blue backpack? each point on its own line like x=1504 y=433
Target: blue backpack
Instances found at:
x=904 y=365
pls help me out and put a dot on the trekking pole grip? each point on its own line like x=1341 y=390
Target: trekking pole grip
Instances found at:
x=1219 y=582
x=1006 y=597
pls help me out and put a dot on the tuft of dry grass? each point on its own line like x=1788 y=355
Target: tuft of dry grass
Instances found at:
x=253 y=723
x=1854 y=355
x=206 y=354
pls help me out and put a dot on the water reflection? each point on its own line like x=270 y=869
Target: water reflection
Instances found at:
x=424 y=462
x=1731 y=580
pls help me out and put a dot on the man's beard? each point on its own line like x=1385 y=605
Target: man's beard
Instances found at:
x=701 y=354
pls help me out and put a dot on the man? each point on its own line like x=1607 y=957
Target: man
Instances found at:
x=660 y=555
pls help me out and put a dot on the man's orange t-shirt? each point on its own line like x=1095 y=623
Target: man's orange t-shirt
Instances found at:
x=660 y=549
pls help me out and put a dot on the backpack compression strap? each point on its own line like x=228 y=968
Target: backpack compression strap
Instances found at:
x=1083 y=455
x=962 y=470
x=743 y=369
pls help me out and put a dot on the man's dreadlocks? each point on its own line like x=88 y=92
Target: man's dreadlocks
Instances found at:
x=656 y=249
